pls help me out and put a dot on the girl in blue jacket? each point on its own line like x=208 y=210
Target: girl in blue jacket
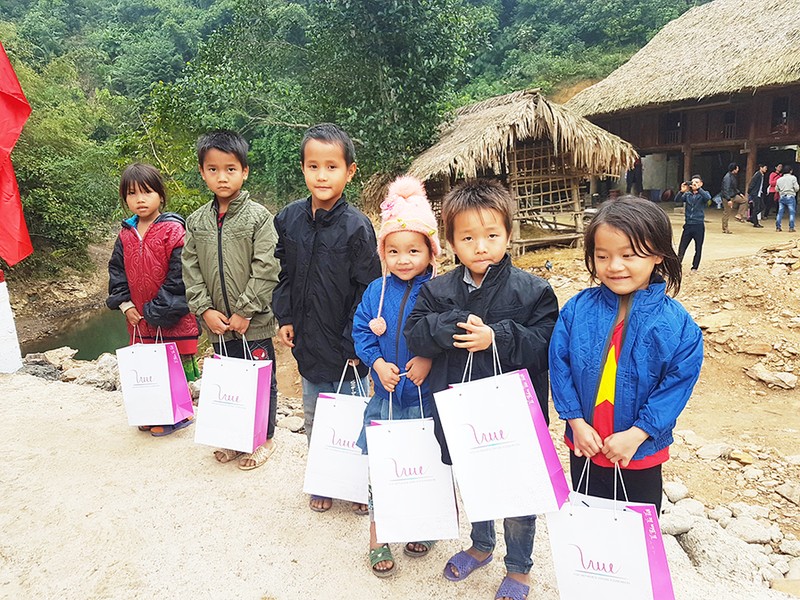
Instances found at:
x=625 y=356
x=408 y=244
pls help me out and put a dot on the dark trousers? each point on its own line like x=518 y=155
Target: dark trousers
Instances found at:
x=645 y=485
x=261 y=350
x=770 y=204
x=756 y=208
x=696 y=232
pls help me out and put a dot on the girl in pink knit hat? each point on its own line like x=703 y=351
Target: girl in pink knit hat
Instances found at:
x=408 y=244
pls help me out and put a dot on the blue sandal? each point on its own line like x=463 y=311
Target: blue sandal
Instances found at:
x=162 y=430
x=511 y=588
x=464 y=564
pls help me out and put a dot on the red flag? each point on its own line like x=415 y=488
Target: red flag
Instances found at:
x=15 y=243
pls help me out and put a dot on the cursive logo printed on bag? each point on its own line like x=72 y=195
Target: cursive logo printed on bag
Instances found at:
x=482 y=439
x=591 y=567
x=340 y=444
x=142 y=381
x=225 y=398
x=408 y=474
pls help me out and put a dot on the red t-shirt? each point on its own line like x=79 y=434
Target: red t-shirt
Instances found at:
x=603 y=421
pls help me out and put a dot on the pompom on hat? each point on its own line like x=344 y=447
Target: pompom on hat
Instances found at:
x=406 y=208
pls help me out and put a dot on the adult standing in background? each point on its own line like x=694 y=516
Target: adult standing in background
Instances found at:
x=771 y=201
x=787 y=189
x=755 y=194
x=633 y=178
x=731 y=195
x=695 y=199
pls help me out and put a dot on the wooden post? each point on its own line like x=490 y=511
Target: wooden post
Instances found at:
x=446 y=249
x=752 y=149
x=687 y=162
x=593 y=182
x=513 y=177
x=576 y=204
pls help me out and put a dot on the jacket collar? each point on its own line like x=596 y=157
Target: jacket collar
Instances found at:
x=418 y=280
x=495 y=272
x=325 y=217
x=133 y=221
x=235 y=204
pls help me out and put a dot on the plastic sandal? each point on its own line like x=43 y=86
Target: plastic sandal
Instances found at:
x=417 y=553
x=145 y=427
x=358 y=510
x=226 y=454
x=319 y=509
x=511 y=588
x=464 y=564
x=260 y=456
x=376 y=555
x=162 y=430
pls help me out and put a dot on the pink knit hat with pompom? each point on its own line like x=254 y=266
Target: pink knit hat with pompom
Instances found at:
x=406 y=208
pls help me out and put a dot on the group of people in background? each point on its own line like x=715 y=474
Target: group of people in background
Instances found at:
x=348 y=302
x=777 y=191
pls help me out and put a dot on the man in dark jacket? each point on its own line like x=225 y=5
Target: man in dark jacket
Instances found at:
x=755 y=194
x=695 y=199
x=731 y=197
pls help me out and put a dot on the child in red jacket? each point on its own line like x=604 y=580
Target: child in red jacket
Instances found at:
x=144 y=273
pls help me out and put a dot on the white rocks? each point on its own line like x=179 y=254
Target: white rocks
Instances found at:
x=719 y=513
x=294 y=424
x=677 y=522
x=793 y=460
x=781 y=379
x=787 y=586
x=753 y=531
x=689 y=437
x=61 y=358
x=794 y=569
x=194 y=389
x=718 y=554
x=102 y=373
x=751 y=472
x=740 y=509
x=713 y=451
x=675 y=491
x=691 y=506
x=790 y=547
x=790 y=491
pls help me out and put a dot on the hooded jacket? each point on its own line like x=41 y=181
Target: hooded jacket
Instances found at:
x=659 y=361
x=399 y=299
x=520 y=308
x=326 y=262
x=231 y=266
x=147 y=272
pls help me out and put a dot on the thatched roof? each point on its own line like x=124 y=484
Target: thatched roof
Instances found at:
x=481 y=135
x=723 y=47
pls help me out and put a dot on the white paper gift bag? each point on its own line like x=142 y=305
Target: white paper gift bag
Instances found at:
x=233 y=409
x=153 y=382
x=412 y=490
x=504 y=459
x=606 y=552
x=336 y=468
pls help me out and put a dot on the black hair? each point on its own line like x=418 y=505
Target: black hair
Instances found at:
x=732 y=167
x=647 y=227
x=147 y=177
x=787 y=169
x=476 y=194
x=223 y=140
x=330 y=134
x=696 y=176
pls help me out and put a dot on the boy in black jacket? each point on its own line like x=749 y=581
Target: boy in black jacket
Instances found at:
x=483 y=300
x=328 y=254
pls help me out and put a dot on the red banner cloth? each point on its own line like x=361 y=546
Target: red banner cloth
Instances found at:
x=15 y=243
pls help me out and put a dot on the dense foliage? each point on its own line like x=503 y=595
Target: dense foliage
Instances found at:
x=112 y=81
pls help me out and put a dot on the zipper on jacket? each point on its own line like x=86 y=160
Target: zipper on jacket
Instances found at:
x=605 y=355
x=406 y=294
x=222 y=265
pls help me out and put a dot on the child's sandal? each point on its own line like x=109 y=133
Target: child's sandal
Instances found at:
x=379 y=554
x=409 y=551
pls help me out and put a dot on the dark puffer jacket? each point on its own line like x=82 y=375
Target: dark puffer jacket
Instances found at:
x=326 y=264
x=521 y=309
x=147 y=272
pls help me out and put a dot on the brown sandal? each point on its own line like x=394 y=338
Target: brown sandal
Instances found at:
x=260 y=456
x=225 y=455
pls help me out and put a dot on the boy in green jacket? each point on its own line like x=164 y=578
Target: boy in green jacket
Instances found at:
x=230 y=269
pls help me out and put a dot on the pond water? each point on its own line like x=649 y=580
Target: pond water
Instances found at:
x=93 y=333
